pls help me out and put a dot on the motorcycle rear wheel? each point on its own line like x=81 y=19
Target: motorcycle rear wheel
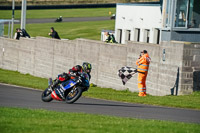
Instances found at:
x=46 y=95
x=74 y=95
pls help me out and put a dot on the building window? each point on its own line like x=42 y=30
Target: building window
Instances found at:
x=119 y=35
x=167 y=14
x=128 y=35
x=187 y=14
x=182 y=13
x=137 y=35
x=146 y=35
x=156 y=36
x=194 y=14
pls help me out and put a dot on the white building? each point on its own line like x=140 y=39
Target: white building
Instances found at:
x=138 y=22
x=153 y=22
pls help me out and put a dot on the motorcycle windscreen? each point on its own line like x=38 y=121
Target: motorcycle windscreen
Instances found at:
x=68 y=84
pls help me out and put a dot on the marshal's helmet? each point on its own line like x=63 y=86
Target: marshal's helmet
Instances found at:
x=86 y=67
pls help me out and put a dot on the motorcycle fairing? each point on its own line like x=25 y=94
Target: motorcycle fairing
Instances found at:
x=86 y=83
x=54 y=96
x=68 y=84
x=58 y=93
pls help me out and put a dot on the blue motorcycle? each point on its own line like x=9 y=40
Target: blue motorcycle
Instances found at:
x=69 y=91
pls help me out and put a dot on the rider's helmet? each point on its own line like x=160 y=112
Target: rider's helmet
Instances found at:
x=86 y=67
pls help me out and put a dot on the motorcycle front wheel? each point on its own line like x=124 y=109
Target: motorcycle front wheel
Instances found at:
x=46 y=95
x=74 y=95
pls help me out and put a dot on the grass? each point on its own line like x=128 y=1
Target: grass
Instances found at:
x=69 y=30
x=26 y=80
x=55 y=13
x=187 y=101
x=41 y=121
x=184 y=101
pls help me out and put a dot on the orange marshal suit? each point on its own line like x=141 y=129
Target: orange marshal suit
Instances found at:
x=143 y=66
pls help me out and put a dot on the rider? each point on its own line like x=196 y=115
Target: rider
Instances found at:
x=75 y=71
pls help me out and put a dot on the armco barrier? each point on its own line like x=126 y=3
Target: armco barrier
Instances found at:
x=174 y=66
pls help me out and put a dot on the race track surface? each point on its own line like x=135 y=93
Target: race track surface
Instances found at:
x=76 y=19
x=13 y=96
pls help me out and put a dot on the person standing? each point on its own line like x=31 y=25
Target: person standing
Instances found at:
x=54 y=34
x=143 y=66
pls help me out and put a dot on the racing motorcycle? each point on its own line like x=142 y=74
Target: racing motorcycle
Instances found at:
x=59 y=19
x=69 y=91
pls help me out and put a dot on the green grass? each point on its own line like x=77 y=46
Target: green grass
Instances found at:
x=184 y=101
x=69 y=30
x=16 y=120
x=55 y=13
x=26 y=80
x=187 y=101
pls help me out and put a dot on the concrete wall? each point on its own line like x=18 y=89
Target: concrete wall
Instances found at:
x=191 y=67
x=172 y=72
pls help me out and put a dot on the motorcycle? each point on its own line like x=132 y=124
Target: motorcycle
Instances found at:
x=59 y=19
x=68 y=91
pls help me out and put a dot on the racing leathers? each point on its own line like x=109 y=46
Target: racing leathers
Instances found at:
x=73 y=72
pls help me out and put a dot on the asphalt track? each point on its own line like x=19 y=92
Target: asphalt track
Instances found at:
x=76 y=19
x=13 y=96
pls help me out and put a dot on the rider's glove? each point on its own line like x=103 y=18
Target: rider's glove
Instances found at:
x=65 y=75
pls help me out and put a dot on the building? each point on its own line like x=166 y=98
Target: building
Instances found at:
x=153 y=22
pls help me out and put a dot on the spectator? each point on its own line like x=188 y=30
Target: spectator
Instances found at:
x=54 y=34
x=17 y=33
x=110 y=38
x=21 y=33
x=25 y=34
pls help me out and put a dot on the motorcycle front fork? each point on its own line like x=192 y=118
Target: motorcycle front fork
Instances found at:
x=73 y=90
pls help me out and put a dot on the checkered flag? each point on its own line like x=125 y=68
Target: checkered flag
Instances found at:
x=125 y=73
